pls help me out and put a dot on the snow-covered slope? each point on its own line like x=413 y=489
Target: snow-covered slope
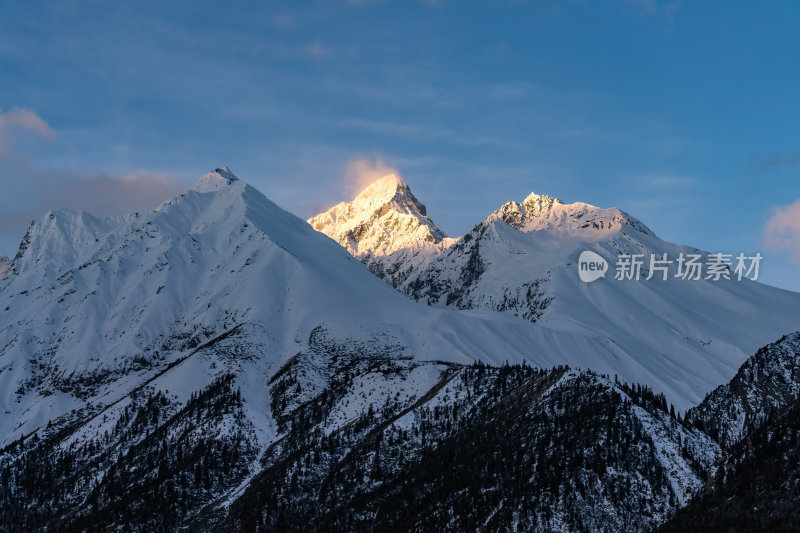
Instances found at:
x=682 y=337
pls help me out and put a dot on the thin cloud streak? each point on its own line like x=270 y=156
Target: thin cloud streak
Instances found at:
x=317 y=50
x=429 y=133
x=777 y=159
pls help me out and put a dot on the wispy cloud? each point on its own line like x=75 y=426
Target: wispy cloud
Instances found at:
x=777 y=159
x=104 y=194
x=283 y=20
x=649 y=142
x=782 y=231
x=426 y=132
x=671 y=182
x=17 y=121
x=512 y=90
x=30 y=189
x=317 y=50
x=364 y=2
x=654 y=7
x=99 y=193
x=361 y=172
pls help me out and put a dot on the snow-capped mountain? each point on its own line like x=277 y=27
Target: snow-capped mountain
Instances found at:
x=174 y=368
x=683 y=337
x=385 y=227
x=384 y=218
x=94 y=307
x=5 y=265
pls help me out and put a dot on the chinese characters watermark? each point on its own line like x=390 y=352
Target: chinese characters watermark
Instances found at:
x=686 y=266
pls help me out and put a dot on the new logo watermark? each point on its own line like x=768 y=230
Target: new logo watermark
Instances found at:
x=591 y=266
x=686 y=266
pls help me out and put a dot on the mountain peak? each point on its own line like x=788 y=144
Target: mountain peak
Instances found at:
x=386 y=187
x=383 y=218
x=215 y=180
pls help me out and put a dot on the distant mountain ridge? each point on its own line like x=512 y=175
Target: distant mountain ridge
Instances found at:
x=687 y=336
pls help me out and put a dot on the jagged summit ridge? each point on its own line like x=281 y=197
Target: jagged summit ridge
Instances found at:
x=549 y=213
x=385 y=217
x=538 y=203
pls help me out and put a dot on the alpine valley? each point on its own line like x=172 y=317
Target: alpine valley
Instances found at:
x=220 y=364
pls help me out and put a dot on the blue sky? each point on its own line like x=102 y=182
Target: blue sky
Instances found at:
x=682 y=113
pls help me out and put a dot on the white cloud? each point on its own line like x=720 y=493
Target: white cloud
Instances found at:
x=17 y=121
x=782 y=231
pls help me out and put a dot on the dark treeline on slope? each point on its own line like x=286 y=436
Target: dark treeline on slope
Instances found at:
x=149 y=471
x=756 y=486
x=509 y=448
x=512 y=448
